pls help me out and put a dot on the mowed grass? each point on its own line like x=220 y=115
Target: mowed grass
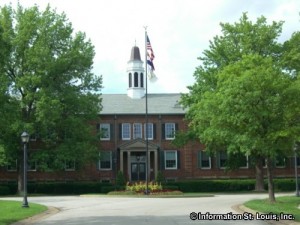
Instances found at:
x=286 y=205
x=12 y=211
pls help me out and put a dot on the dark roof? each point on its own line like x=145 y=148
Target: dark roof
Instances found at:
x=157 y=104
x=135 y=54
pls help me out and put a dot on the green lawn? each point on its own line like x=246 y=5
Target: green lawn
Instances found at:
x=12 y=211
x=286 y=205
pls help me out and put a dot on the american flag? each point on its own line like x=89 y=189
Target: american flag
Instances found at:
x=150 y=58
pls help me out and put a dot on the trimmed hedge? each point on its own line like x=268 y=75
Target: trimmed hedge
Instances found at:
x=75 y=188
x=4 y=190
x=71 y=188
x=231 y=185
x=67 y=188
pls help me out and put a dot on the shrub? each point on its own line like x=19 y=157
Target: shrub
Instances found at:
x=120 y=179
x=4 y=190
x=141 y=187
x=160 y=178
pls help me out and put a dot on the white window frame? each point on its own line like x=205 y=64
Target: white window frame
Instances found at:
x=33 y=137
x=128 y=129
x=110 y=159
x=298 y=159
x=14 y=169
x=168 y=128
x=71 y=168
x=176 y=160
x=150 y=131
x=284 y=166
x=33 y=162
x=247 y=160
x=222 y=167
x=209 y=160
x=104 y=127
x=137 y=130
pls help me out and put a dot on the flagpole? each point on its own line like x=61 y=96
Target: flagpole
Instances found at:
x=146 y=127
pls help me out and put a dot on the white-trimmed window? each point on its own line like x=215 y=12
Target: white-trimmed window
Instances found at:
x=32 y=165
x=204 y=160
x=298 y=161
x=12 y=165
x=170 y=131
x=171 y=160
x=105 y=161
x=104 y=131
x=70 y=165
x=126 y=131
x=244 y=162
x=150 y=131
x=280 y=162
x=222 y=159
x=137 y=130
x=33 y=137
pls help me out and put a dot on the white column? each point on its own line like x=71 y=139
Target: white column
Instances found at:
x=155 y=164
x=121 y=161
x=129 y=164
x=149 y=166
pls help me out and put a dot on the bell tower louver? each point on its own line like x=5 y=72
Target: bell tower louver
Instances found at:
x=135 y=72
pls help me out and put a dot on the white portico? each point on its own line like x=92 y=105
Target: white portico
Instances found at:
x=133 y=160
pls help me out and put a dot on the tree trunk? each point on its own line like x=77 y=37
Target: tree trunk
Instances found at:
x=259 y=175
x=270 y=180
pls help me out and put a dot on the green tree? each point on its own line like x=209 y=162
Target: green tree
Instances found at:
x=242 y=41
x=237 y=40
x=250 y=112
x=47 y=87
x=291 y=55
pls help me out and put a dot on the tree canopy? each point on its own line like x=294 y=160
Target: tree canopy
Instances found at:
x=47 y=86
x=245 y=98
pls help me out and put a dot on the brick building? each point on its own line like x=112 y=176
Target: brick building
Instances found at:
x=123 y=128
x=122 y=125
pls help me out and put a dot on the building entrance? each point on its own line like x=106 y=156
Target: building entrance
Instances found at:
x=138 y=171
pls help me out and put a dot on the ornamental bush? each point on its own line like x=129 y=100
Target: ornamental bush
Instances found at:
x=141 y=186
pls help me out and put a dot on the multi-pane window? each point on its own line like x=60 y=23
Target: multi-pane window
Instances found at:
x=170 y=159
x=204 y=160
x=32 y=165
x=70 y=165
x=280 y=162
x=12 y=165
x=137 y=130
x=105 y=162
x=105 y=131
x=149 y=128
x=243 y=161
x=170 y=131
x=297 y=161
x=126 y=131
x=222 y=159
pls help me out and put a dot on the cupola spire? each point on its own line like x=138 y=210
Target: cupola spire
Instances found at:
x=135 y=71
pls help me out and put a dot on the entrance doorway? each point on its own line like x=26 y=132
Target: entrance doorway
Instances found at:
x=138 y=171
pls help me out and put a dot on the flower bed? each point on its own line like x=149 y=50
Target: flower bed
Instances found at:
x=139 y=188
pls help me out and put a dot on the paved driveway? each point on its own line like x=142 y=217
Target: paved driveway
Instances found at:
x=76 y=210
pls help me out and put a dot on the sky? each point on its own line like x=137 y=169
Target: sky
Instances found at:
x=179 y=31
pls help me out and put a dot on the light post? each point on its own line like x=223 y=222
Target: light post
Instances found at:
x=25 y=140
x=296 y=170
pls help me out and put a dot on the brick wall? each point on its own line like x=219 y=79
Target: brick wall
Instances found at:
x=189 y=168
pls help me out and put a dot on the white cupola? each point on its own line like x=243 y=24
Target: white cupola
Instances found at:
x=135 y=71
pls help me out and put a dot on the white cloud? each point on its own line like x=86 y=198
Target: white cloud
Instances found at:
x=179 y=31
